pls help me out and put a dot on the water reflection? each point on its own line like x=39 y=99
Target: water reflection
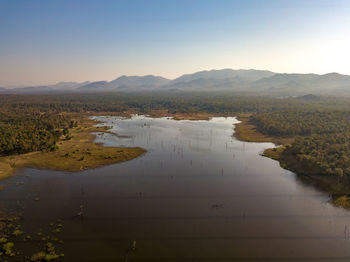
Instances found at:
x=198 y=194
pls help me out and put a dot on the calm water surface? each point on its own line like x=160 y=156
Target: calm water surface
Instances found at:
x=198 y=194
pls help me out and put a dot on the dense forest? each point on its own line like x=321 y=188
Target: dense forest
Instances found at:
x=302 y=122
x=321 y=154
x=26 y=131
x=322 y=139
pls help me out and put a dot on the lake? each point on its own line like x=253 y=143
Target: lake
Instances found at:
x=198 y=194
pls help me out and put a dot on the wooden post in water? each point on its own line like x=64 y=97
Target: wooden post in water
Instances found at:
x=81 y=212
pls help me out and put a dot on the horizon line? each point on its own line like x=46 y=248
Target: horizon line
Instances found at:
x=12 y=86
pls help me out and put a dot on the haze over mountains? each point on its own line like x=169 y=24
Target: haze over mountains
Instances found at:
x=246 y=81
x=61 y=86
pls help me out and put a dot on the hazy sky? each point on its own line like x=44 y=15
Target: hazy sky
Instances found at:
x=65 y=40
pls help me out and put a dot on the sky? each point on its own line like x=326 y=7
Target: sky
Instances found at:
x=45 y=42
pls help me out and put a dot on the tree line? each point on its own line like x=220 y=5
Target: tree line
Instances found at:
x=27 y=131
x=302 y=122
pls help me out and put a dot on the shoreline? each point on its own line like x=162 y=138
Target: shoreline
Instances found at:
x=246 y=131
x=162 y=113
x=76 y=154
x=80 y=152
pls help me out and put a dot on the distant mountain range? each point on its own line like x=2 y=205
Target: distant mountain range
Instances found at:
x=128 y=82
x=246 y=81
x=61 y=86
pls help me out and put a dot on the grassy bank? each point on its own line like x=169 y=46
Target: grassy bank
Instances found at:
x=246 y=131
x=77 y=153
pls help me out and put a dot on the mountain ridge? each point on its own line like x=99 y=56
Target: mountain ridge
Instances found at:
x=241 y=80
